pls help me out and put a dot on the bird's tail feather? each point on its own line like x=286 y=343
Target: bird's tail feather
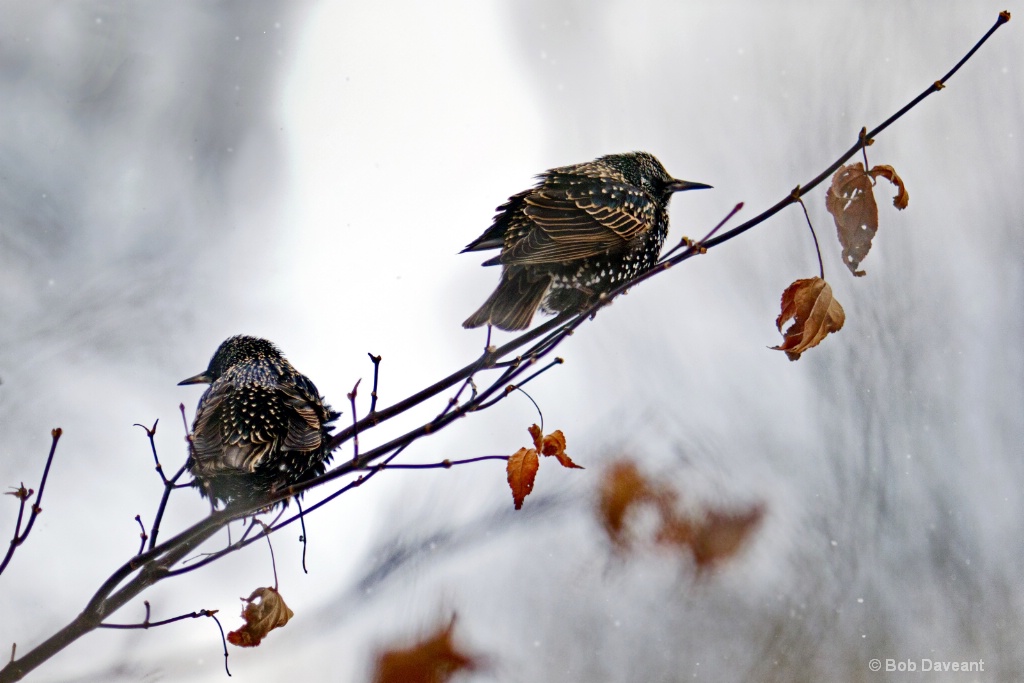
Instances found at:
x=511 y=306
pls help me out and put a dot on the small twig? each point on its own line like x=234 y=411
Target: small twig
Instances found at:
x=202 y=559
x=223 y=643
x=511 y=363
x=865 y=142
x=519 y=388
x=376 y=376
x=302 y=536
x=817 y=249
x=152 y=624
x=512 y=387
x=23 y=494
x=273 y=562
x=256 y=522
x=169 y=484
x=151 y=432
x=146 y=624
x=454 y=400
x=444 y=464
x=184 y=422
x=698 y=247
x=142 y=534
x=355 y=422
x=557 y=361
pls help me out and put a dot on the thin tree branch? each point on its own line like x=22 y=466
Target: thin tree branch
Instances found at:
x=302 y=535
x=817 y=248
x=152 y=624
x=23 y=495
x=151 y=432
x=376 y=377
x=355 y=422
x=444 y=464
x=142 y=534
x=169 y=484
x=146 y=624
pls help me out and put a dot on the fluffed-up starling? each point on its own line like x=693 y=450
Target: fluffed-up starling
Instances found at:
x=580 y=232
x=260 y=427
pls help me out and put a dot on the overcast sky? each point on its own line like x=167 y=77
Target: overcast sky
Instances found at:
x=174 y=173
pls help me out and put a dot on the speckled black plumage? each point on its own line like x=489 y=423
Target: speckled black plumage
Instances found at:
x=261 y=425
x=581 y=231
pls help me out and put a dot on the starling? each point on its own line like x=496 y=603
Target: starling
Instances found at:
x=580 y=232
x=260 y=427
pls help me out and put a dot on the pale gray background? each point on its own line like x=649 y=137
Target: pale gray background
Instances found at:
x=173 y=173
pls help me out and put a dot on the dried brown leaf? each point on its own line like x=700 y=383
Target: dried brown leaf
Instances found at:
x=851 y=202
x=537 y=436
x=522 y=470
x=265 y=610
x=814 y=312
x=554 y=445
x=435 y=659
x=902 y=197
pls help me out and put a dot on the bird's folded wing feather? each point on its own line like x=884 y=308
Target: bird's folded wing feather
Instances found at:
x=224 y=437
x=575 y=221
x=305 y=429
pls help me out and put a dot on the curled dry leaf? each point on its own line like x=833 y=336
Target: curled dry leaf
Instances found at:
x=265 y=610
x=554 y=445
x=537 y=435
x=434 y=659
x=814 y=312
x=852 y=204
x=523 y=464
x=522 y=470
x=851 y=201
x=902 y=198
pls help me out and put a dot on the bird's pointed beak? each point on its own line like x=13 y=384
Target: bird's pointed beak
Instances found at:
x=201 y=378
x=683 y=185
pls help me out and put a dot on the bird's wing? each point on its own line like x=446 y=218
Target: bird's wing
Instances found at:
x=574 y=219
x=226 y=438
x=494 y=237
x=305 y=430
